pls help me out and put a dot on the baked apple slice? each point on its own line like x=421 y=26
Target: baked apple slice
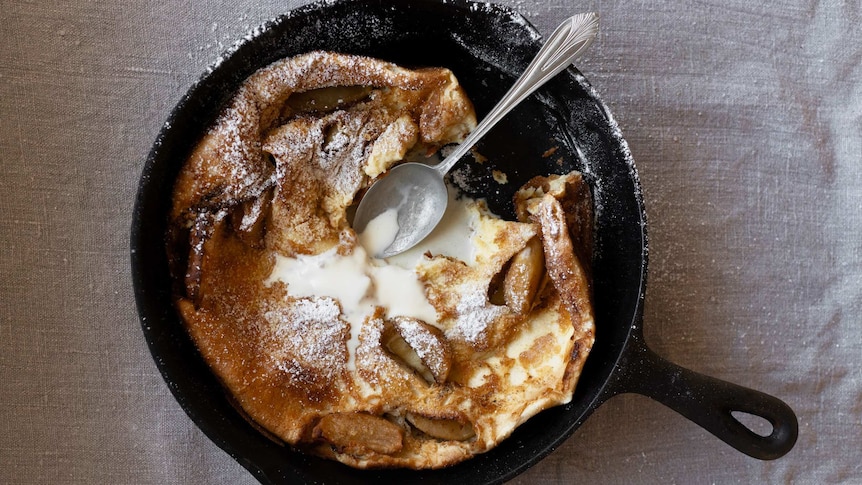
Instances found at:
x=419 y=346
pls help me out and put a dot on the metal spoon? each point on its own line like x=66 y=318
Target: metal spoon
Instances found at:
x=417 y=191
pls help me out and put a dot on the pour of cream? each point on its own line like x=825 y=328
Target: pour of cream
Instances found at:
x=360 y=283
x=380 y=232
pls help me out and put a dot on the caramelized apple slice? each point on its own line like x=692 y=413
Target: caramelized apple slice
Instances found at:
x=441 y=428
x=523 y=277
x=356 y=433
x=420 y=346
x=562 y=207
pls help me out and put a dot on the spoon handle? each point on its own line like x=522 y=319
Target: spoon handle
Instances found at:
x=565 y=45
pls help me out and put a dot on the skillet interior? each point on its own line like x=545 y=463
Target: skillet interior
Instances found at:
x=487 y=47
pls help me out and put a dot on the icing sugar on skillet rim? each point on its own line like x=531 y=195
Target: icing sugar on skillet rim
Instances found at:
x=487 y=47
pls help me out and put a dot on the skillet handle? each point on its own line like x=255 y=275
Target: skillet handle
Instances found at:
x=710 y=402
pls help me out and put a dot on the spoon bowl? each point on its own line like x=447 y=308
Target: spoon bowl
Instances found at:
x=417 y=192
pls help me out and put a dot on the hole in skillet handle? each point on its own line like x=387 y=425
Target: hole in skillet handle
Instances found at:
x=756 y=424
x=731 y=412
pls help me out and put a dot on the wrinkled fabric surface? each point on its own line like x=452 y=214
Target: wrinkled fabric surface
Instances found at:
x=745 y=122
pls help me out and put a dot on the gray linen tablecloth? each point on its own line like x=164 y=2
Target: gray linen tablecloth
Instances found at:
x=745 y=122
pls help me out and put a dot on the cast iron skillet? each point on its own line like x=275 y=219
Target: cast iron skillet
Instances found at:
x=486 y=46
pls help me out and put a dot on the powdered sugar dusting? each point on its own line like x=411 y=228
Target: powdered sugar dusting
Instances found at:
x=311 y=333
x=240 y=149
x=252 y=214
x=475 y=313
x=370 y=356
